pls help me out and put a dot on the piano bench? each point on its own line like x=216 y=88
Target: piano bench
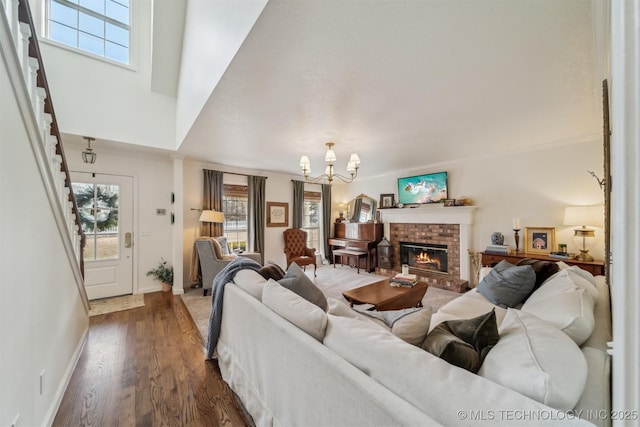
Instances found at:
x=351 y=253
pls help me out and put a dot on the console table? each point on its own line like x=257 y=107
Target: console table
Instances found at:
x=490 y=259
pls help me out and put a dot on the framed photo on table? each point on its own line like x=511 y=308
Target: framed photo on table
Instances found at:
x=539 y=240
x=277 y=214
x=387 y=200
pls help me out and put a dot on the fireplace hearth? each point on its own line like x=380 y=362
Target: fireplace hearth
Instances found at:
x=427 y=257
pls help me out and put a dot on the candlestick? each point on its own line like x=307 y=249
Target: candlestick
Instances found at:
x=517 y=237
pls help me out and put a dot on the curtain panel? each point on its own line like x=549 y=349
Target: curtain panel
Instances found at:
x=297 y=210
x=326 y=218
x=212 y=200
x=257 y=213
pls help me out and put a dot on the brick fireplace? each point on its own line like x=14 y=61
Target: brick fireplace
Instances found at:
x=449 y=228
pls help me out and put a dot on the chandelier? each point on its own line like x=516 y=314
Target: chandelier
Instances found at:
x=329 y=174
x=88 y=156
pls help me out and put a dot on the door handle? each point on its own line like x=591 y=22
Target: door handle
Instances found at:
x=127 y=240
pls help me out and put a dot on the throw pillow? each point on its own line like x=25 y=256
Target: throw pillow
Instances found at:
x=565 y=302
x=272 y=271
x=507 y=285
x=537 y=360
x=295 y=309
x=410 y=325
x=224 y=245
x=303 y=286
x=251 y=282
x=464 y=343
x=543 y=269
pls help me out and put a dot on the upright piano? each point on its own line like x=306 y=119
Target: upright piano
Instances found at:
x=360 y=236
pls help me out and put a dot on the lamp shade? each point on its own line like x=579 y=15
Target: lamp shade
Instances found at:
x=584 y=215
x=211 y=216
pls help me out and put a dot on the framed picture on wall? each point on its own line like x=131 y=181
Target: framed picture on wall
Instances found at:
x=277 y=214
x=539 y=240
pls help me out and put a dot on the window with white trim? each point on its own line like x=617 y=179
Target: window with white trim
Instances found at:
x=311 y=218
x=235 y=201
x=100 y=27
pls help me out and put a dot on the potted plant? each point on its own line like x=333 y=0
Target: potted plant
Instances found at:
x=164 y=274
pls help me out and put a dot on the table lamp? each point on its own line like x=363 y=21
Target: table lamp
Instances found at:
x=584 y=216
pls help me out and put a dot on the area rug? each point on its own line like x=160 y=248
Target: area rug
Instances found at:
x=110 y=305
x=332 y=282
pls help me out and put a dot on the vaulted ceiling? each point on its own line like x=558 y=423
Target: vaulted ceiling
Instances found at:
x=406 y=84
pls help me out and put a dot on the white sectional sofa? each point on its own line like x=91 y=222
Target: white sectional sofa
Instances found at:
x=292 y=364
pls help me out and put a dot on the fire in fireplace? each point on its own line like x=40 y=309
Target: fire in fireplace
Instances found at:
x=429 y=257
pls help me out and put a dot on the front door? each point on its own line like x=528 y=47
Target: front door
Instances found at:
x=105 y=203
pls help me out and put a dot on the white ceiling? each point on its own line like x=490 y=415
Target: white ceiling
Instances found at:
x=406 y=84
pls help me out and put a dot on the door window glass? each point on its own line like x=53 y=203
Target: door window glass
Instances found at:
x=98 y=207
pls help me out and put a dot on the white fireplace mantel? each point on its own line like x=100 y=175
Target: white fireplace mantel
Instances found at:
x=437 y=214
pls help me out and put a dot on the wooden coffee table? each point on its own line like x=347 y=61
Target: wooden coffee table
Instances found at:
x=386 y=297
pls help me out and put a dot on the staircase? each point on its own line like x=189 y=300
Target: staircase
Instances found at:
x=20 y=49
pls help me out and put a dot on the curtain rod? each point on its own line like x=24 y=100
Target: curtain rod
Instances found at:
x=237 y=173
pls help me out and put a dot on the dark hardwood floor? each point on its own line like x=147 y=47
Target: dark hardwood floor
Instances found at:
x=146 y=367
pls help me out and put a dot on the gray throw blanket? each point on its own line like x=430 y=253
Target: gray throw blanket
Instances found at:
x=217 y=292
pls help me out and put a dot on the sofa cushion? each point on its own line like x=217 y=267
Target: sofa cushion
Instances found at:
x=582 y=273
x=298 y=282
x=465 y=342
x=579 y=278
x=596 y=395
x=251 y=282
x=564 y=305
x=297 y=310
x=536 y=359
x=411 y=324
x=272 y=271
x=507 y=285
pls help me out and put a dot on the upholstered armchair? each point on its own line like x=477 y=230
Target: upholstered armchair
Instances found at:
x=212 y=258
x=296 y=250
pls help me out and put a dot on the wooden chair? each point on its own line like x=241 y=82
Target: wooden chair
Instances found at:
x=296 y=250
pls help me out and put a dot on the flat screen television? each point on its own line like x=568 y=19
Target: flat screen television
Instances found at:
x=427 y=188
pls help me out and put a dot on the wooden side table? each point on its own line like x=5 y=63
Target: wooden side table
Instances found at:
x=490 y=259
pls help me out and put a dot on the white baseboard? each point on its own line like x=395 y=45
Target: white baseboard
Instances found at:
x=62 y=388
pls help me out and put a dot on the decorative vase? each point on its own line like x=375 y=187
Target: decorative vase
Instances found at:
x=166 y=287
x=497 y=238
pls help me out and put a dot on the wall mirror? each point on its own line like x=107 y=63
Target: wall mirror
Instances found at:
x=362 y=209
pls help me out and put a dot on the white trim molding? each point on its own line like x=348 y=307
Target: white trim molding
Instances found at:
x=625 y=206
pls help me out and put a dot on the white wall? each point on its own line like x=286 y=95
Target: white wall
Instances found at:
x=42 y=317
x=153 y=183
x=214 y=31
x=277 y=189
x=97 y=98
x=534 y=185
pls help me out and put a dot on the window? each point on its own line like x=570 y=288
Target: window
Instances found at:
x=311 y=218
x=100 y=27
x=234 y=205
x=98 y=208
